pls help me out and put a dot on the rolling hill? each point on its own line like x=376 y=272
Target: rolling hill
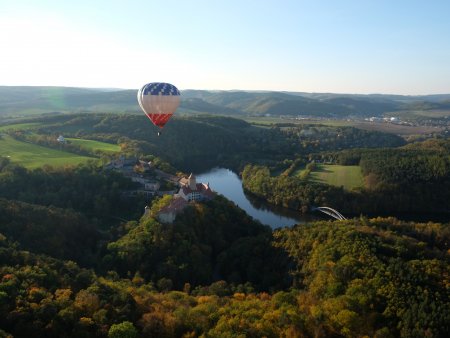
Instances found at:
x=24 y=101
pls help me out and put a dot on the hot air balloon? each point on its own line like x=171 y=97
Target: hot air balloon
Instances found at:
x=159 y=101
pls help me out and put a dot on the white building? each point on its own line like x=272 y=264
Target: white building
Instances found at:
x=190 y=191
x=193 y=191
x=61 y=139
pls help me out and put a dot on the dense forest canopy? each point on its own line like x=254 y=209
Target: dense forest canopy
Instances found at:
x=87 y=189
x=378 y=277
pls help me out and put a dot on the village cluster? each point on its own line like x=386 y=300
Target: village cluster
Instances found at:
x=185 y=189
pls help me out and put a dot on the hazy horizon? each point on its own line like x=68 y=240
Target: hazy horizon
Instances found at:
x=235 y=90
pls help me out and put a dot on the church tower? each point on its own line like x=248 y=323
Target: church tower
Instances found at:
x=192 y=182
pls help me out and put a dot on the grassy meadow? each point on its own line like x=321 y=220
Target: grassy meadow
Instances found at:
x=95 y=145
x=349 y=177
x=33 y=156
x=20 y=126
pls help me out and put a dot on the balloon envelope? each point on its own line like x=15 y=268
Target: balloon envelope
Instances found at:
x=159 y=101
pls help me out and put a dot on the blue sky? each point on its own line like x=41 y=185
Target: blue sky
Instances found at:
x=381 y=46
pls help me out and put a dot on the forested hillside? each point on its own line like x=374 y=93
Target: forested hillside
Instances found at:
x=365 y=277
x=412 y=179
x=22 y=101
x=53 y=231
x=86 y=189
x=210 y=241
x=377 y=277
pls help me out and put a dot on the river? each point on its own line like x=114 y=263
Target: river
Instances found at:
x=227 y=183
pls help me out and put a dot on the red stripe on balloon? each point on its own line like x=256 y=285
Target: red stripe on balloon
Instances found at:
x=159 y=120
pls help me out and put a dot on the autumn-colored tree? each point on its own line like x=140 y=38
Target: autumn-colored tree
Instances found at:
x=123 y=330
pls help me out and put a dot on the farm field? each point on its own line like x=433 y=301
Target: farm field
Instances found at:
x=33 y=156
x=403 y=130
x=398 y=129
x=95 y=145
x=19 y=126
x=427 y=113
x=265 y=120
x=338 y=175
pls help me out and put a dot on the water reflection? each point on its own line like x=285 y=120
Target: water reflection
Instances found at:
x=227 y=183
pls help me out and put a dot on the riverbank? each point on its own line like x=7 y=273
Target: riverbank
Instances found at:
x=228 y=183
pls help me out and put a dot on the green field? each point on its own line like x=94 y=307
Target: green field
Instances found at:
x=384 y=127
x=338 y=175
x=270 y=120
x=299 y=172
x=434 y=113
x=19 y=126
x=33 y=156
x=95 y=145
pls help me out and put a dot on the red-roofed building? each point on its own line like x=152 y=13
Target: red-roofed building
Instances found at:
x=193 y=191
x=190 y=191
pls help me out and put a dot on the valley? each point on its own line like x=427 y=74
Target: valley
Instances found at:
x=81 y=195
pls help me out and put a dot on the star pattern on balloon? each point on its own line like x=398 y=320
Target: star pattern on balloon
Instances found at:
x=158 y=88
